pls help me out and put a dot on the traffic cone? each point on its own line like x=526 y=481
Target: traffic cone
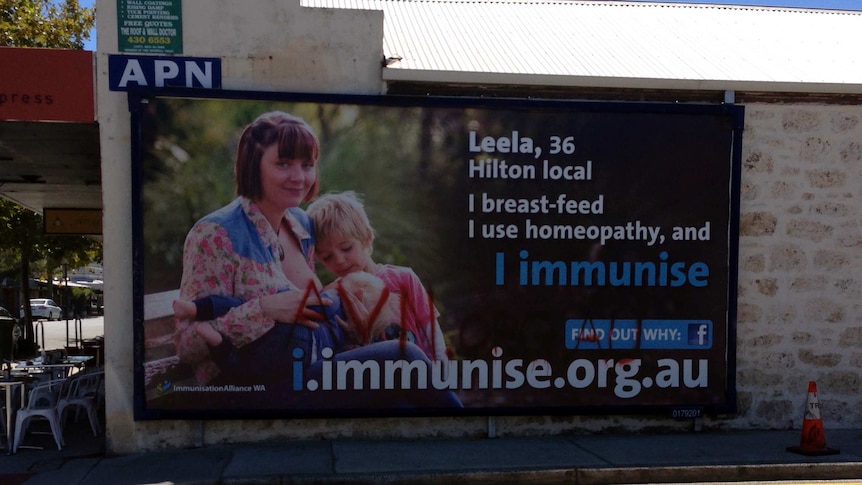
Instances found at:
x=813 y=441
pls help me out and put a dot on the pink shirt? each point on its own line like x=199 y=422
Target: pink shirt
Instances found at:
x=418 y=318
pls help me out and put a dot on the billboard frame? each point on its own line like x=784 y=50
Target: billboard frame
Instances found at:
x=734 y=113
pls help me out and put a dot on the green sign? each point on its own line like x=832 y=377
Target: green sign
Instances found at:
x=151 y=26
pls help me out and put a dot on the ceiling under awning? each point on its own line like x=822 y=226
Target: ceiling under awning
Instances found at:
x=50 y=164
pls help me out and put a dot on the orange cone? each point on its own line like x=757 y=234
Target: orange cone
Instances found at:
x=813 y=441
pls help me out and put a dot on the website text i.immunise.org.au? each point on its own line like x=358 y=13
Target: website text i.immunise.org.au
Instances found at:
x=622 y=374
x=496 y=374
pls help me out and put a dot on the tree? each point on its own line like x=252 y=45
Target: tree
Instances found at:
x=19 y=234
x=45 y=23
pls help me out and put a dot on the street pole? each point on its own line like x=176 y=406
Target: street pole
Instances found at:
x=66 y=298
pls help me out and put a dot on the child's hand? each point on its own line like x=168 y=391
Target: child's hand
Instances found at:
x=208 y=333
x=351 y=334
x=357 y=314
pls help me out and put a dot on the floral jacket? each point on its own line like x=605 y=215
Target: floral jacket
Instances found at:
x=231 y=252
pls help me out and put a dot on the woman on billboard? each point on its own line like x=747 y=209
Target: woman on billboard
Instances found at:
x=277 y=332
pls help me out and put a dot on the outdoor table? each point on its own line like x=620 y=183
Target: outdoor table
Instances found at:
x=35 y=367
x=68 y=361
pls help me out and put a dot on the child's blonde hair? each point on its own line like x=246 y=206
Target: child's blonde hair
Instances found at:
x=342 y=214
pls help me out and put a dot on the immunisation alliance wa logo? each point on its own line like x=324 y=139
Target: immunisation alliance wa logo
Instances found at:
x=164 y=387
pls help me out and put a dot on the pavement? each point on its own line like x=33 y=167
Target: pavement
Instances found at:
x=697 y=456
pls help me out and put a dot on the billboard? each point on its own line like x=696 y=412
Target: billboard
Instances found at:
x=539 y=257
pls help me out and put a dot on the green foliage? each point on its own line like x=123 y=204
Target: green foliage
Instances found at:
x=16 y=223
x=79 y=300
x=73 y=251
x=188 y=171
x=45 y=23
x=22 y=234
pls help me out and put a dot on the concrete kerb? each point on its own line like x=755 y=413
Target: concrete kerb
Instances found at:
x=538 y=477
x=579 y=476
x=719 y=473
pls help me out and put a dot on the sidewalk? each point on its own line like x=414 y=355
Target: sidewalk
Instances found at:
x=591 y=459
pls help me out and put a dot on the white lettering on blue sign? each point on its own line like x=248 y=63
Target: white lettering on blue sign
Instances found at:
x=126 y=72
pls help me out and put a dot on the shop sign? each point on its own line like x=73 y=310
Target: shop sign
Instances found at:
x=46 y=85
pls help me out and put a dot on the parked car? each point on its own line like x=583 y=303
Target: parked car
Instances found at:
x=6 y=318
x=9 y=323
x=45 y=308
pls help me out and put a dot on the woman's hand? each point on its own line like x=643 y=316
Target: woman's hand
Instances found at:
x=292 y=307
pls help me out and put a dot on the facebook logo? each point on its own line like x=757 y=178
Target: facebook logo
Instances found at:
x=699 y=334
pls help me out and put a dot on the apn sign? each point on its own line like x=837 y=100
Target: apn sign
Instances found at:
x=125 y=72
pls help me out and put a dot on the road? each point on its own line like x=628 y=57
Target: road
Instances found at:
x=55 y=332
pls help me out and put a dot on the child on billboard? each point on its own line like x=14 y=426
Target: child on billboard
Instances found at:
x=344 y=245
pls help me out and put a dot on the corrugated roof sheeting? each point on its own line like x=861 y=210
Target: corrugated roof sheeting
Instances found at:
x=591 y=39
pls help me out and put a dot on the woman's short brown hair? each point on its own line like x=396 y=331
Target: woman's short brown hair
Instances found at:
x=295 y=139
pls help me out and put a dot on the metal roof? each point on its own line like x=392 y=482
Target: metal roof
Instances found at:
x=618 y=44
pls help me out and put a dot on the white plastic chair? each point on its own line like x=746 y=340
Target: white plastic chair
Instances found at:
x=41 y=403
x=82 y=392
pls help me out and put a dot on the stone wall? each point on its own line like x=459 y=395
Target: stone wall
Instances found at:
x=799 y=315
